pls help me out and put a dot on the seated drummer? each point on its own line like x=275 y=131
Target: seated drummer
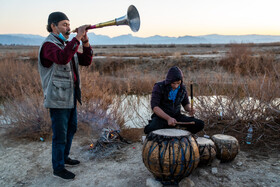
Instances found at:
x=167 y=98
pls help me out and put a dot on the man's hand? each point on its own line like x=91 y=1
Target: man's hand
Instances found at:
x=82 y=33
x=171 y=121
x=85 y=40
x=190 y=110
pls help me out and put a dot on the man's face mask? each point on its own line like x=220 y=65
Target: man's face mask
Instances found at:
x=60 y=35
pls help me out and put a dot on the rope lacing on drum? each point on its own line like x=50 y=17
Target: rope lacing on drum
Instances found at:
x=163 y=144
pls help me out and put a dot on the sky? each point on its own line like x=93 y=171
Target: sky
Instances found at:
x=172 y=18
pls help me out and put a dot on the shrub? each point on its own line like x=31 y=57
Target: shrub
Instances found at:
x=246 y=93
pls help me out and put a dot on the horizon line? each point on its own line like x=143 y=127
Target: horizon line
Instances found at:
x=153 y=35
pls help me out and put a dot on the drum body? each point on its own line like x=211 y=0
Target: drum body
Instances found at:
x=207 y=150
x=227 y=147
x=170 y=154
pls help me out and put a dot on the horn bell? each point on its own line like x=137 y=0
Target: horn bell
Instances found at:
x=132 y=19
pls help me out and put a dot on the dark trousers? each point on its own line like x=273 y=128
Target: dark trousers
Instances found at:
x=159 y=123
x=64 y=126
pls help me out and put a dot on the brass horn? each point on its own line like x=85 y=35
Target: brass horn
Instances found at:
x=132 y=19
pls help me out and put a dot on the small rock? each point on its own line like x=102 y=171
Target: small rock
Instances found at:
x=150 y=182
x=214 y=170
x=274 y=164
x=186 y=182
x=203 y=173
x=215 y=162
x=239 y=163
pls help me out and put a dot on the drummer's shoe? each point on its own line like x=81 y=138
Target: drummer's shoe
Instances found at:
x=71 y=162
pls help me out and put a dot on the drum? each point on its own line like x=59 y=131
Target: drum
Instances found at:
x=227 y=147
x=170 y=154
x=207 y=150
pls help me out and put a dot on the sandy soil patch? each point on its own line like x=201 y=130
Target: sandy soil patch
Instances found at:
x=29 y=164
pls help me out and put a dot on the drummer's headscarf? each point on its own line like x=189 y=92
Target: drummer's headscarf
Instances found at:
x=174 y=74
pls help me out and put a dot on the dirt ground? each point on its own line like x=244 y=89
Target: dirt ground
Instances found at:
x=25 y=163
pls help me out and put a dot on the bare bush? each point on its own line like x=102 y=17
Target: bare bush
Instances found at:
x=113 y=89
x=249 y=96
x=26 y=117
x=22 y=97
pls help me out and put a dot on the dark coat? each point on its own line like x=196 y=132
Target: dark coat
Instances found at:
x=161 y=91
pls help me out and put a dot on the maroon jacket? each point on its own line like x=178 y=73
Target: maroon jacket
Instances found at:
x=51 y=53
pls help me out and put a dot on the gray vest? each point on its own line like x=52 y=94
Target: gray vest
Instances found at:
x=58 y=80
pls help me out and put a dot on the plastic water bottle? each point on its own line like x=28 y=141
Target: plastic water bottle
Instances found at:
x=249 y=135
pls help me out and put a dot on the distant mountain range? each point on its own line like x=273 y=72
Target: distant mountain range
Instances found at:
x=28 y=39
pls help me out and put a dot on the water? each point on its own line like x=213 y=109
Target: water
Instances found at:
x=136 y=110
x=205 y=55
x=5 y=120
x=201 y=56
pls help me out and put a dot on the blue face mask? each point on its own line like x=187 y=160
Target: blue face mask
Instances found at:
x=62 y=37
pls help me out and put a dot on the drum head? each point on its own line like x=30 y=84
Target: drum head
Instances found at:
x=171 y=132
x=224 y=137
x=204 y=141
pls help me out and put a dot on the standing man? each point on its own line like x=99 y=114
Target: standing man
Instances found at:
x=58 y=63
x=166 y=101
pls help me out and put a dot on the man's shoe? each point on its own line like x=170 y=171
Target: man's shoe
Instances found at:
x=71 y=162
x=65 y=174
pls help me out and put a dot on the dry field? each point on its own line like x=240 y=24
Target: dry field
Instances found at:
x=239 y=81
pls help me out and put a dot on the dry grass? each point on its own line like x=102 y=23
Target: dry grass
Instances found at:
x=23 y=109
x=132 y=134
x=250 y=96
x=20 y=91
x=241 y=60
x=244 y=86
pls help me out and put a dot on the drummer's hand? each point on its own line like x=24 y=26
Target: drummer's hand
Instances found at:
x=192 y=111
x=171 y=121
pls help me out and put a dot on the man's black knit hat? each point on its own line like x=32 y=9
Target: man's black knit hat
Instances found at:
x=56 y=17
